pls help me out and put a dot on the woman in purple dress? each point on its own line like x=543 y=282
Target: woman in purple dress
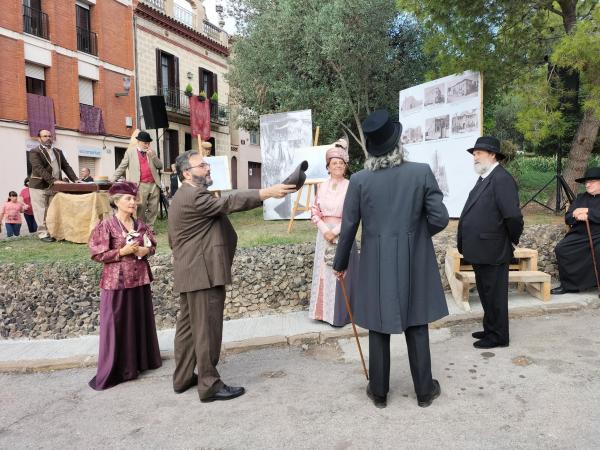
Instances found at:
x=128 y=341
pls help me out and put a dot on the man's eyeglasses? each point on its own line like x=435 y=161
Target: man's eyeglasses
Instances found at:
x=200 y=165
x=46 y=135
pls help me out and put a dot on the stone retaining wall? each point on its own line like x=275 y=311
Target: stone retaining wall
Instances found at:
x=61 y=300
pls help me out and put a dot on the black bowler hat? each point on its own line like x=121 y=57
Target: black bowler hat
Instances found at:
x=489 y=144
x=298 y=176
x=593 y=173
x=143 y=136
x=382 y=134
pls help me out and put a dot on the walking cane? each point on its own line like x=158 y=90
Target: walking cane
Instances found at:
x=343 y=284
x=589 y=232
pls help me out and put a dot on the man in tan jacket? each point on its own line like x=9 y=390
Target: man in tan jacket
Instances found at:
x=142 y=166
x=203 y=242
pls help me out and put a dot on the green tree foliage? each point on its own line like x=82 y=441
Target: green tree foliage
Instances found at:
x=340 y=58
x=540 y=55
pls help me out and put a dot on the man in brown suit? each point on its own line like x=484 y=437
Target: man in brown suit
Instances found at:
x=203 y=242
x=47 y=165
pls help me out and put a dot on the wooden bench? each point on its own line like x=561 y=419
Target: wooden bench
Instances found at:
x=461 y=277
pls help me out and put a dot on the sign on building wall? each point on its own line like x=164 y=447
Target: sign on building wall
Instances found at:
x=280 y=136
x=440 y=120
x=89 y=152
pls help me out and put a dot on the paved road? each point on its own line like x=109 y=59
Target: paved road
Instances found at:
x=541 y=392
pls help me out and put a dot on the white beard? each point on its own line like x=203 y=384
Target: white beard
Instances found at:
x=481 y=168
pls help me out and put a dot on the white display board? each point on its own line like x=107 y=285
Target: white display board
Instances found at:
x=280 y=136
x=219 y=172
x=317 y=171
x=441 y=119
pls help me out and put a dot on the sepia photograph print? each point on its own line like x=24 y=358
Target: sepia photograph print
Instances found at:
x=437 y=127
x=411 y=104
x=465 y=122
x=434 y=95
x=463 y=87
x=412 y=135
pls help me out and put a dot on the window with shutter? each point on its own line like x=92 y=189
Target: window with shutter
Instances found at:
x=86 y=91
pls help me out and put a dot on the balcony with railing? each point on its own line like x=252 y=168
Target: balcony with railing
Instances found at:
x=158 y=4
x=87 y=41
x=177 y=101
x=183 y=15
x=35 y=22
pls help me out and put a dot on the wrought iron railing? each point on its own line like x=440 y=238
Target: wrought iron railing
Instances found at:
x=87 y=41
x=35 y=22
x=175 y=100
x=178 y=101
x=219 y=113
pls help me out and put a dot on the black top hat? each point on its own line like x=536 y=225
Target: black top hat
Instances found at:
x=489 y=144
x=143 y=136
x=298 y=176
x=593 y=173
x=382 y=134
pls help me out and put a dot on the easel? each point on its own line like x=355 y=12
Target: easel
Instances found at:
x=310 y=183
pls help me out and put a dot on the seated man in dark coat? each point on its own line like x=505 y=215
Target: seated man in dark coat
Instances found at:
x=575 y=265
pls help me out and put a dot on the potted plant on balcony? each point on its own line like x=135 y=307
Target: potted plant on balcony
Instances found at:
x=189 y=90
x=214 y=97
x=202 y=95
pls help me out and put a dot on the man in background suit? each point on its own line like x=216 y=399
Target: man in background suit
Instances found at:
x=203 y=242
x=490 y=225
x=47 y=165
x=142 y=166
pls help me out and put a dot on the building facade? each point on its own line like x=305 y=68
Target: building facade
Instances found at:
x=68 y=64
x=178 y=48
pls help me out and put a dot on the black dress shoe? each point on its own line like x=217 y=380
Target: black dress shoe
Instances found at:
x=379 y=402
x=425 y=400
x=489 y=343
x=561 y=290
x=192 y=383
x=479 y=334
x=48 y=239
x=225 y=393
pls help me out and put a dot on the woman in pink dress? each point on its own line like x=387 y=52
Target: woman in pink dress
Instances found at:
x=128 y=340
x=326 y=299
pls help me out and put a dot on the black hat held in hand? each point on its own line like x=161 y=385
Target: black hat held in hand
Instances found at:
x=298 y=176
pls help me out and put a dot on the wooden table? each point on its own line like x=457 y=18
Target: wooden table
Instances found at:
x=461 y=277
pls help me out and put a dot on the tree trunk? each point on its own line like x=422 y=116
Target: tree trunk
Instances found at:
x=581 y=148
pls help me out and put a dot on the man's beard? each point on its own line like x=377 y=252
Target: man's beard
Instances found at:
x=199 y=180
x=481 y=167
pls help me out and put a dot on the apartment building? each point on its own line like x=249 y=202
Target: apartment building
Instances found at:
x=67 y=65
x=177 y=47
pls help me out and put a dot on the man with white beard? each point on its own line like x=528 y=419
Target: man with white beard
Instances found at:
x=490 y=225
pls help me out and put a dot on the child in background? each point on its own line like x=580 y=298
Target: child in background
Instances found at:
x=11 y=214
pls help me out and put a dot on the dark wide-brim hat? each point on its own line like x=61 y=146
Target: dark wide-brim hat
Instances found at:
x=143 y=136
x=381 y=132
x=489 y=144
x=124 y=188
x=298 y=176
x=593 y=173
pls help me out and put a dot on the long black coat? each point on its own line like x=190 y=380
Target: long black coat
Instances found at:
x=399 y=282
x=575 y=265
x=491 y=220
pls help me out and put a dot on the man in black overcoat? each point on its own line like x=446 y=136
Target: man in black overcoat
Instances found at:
x=490 y=225
x=573 y=254
x=400 y=206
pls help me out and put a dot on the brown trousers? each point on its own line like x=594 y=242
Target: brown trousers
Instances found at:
x=198 y=336
x=149 y=198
